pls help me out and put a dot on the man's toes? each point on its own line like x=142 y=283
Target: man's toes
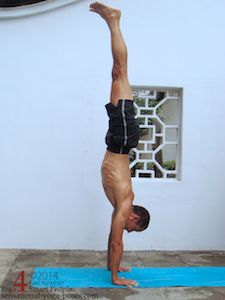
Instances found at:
x=94 y=6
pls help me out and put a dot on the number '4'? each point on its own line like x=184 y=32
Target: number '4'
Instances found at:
x=20 y=281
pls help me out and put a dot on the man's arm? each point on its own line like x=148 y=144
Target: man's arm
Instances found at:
x=116 y=243
x=121 y=268
x=115 y=249
x=109 y=242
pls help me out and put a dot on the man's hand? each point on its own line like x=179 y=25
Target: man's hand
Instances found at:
x=124 y=269
x=127 y=282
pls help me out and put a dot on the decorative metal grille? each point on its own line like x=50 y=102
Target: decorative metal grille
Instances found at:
x=158 y=154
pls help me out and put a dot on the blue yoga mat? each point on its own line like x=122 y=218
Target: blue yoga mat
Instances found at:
x=146 y=277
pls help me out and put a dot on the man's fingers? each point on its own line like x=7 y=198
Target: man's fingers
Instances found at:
x=124 y=269
x=131 y=283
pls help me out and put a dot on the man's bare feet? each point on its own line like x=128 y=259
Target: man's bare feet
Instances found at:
x=106 y=12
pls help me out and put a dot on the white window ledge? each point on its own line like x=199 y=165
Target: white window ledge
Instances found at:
x=33 y=9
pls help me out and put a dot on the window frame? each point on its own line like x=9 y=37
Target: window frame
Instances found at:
x=167 y=90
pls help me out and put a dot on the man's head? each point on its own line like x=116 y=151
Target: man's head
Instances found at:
x=138 y=220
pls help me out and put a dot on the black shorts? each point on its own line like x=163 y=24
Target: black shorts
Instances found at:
x=123 y=133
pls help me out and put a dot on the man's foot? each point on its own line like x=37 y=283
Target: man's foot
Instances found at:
x=106 y=12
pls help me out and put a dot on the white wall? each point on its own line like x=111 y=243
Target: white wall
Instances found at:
x=55 y=72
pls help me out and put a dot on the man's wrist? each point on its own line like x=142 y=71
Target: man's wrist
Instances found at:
x=114 y=278
x=114 y=274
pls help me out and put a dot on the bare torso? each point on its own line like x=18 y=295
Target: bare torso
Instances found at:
x=116 y=179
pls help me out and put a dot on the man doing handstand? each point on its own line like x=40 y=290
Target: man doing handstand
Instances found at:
x=123 y=134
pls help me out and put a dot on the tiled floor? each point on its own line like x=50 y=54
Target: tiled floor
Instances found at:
x=13 y=262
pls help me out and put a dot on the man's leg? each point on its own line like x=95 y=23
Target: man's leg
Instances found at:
x=120 y=85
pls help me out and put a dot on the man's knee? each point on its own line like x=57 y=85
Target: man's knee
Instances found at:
x=119 y=72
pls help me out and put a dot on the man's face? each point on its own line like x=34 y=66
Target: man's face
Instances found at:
x=130 y=228
x=131 y=224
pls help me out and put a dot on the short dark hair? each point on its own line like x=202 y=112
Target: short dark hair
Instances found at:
x=144 y=215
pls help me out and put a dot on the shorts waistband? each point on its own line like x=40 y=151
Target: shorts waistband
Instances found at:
x=128 y=102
